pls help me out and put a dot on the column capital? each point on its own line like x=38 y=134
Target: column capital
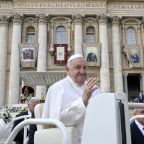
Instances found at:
x=103 y=18
x=42 y=19
x=116 y=20
x=17 y=19
x=4 y=20
x=78 y=18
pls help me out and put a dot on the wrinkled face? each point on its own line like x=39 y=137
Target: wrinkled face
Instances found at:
x=140 y=112
x=77 y=70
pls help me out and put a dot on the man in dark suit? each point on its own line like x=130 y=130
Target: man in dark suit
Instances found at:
x=32 y=128
x=137 y=128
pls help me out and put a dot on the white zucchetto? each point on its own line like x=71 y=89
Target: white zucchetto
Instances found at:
x=74 y=57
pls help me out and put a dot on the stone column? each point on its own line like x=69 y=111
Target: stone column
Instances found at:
x=3 y=56
x=52 y=37
x=68 y=41
x=117 y=64
x=42 y=52
x=15 y=61
x=142 y=76
x=104 y=69
x=78 y=39
x=125 y=83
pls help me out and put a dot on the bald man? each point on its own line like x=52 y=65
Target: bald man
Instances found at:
x=67 y=99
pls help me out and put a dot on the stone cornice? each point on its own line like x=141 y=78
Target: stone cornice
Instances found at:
x=72 y=4
x=119 y=7
x=53 y=4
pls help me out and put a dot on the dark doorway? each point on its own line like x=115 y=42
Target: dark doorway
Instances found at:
x=133 y=86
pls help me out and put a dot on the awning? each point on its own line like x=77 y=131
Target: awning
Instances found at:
x=41 y=78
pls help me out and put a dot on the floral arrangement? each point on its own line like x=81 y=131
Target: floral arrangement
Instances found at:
x=6 y=112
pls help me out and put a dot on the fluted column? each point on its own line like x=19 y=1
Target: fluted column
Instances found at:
x=117 y=64
x=68 y=41
x=15 y=61
x=78 y=39
x=3 y=56
x=42 y=53
x=104 y=69
x=52 y=37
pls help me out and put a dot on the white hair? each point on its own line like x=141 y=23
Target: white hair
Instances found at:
x=31 y=99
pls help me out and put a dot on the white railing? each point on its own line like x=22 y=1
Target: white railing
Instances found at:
x=136 y=117
x=58 y=123
x=25 y=128
x=17 y=118
x=135 y=105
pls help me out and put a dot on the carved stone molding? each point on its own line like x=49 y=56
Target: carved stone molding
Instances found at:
x=78 y=18
x=91 y=20
x=4 y=20
x=103 y=18
x=30 y=20
x=42 y=19
x=17 y=19
x=116 y=20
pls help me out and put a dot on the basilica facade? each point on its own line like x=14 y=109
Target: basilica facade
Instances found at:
x=38 y=36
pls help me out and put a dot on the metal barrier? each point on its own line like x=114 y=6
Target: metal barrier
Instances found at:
x=17 y=118
x=135 y=105
x=136 y=117
x=58 y=123
x=25 y=128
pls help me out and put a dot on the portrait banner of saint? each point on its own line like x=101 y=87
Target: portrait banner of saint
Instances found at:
x=134 y=56
x=28 y=54
x=92 y=54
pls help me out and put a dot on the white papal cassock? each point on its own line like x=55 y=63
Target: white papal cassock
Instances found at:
x=64 y=102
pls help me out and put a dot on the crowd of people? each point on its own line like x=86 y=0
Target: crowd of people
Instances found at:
x=140 y=97
x=67 y=101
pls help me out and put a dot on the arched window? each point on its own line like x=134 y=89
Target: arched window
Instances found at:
x=90 y=34
x=30 y=35
x=61 y=35
x=131 y=36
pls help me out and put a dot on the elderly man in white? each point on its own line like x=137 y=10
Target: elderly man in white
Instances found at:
x=67 y=99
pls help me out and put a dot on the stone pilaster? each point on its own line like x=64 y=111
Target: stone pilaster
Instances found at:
x=142 y=75
x=15 y=61
x=3 y=56
x=42 y=53
x=117 y=62
x=42 y=40
x=104 y=69
x=125 y=83
x=52 y=37
x=78 y=39
x=69 y=45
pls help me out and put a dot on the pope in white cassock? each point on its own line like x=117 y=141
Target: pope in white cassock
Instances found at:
x=68 y=98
